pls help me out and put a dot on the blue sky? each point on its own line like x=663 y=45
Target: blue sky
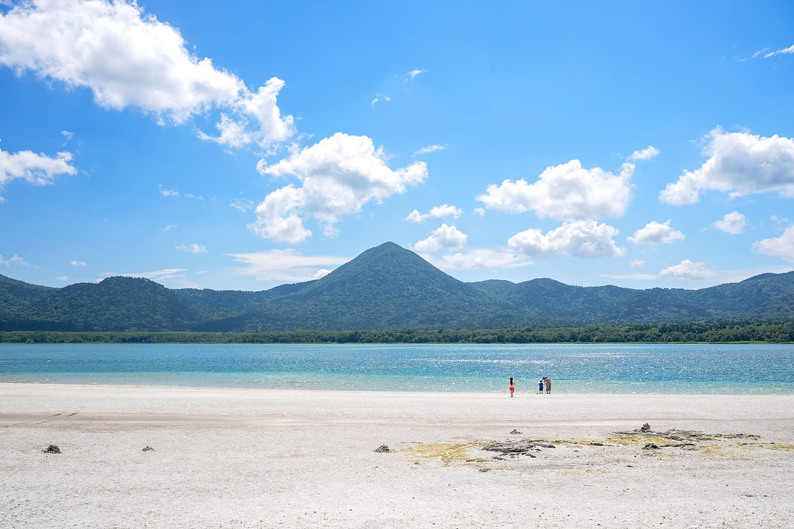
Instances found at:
x=241 y=145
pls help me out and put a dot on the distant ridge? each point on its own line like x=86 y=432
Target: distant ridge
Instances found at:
x=386 y=287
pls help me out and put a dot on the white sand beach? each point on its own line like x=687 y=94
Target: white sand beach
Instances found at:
x=275 y=458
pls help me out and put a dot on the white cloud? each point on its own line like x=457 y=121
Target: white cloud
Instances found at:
x=784 y=51
x=67 y=135
x=437 y=212
x=586 y=239
x=285 y=265
x=739 y=164
x=656 y=233
x=479 y=259
x=174 y=193
x=636 y=263
x=414 y=73
x=191 y=248
x=565 y=192
x=170 y=227
x=243 y=204
x=128 y=58
x=339 y=175
x=732 y=223
x=645 y=154
x=268 y=127
x=430 y=148
x=444 y=237
x=480 y=212
x=13 y=260
x=687 y=269
x=78 y=263
x=165 y=274
x=378 y=98
x=62 y=278
x=782 y=246
x=36 y=169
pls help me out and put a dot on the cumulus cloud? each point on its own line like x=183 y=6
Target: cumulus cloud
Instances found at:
x=127 y=58
x=687 y=269
x=285 y=265
x=258 y=119
x=732 y=223
x=437 y=212
x=13 y=260
x=444 y=237
x=480 y=258
x=191 y=248
x=645 y=154
x=739 y=164
x=565 y=192
x=782 y=246
x=37 y=169
x=656 y=233
x=338 y=176
x=585 y=239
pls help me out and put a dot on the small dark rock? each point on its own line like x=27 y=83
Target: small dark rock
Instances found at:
x=515 y=432
x=596 y=444
x=148 y=448
x=645 y=427
x=650 y=446
x=382 y=449
x=52 y=449
x=484 y=469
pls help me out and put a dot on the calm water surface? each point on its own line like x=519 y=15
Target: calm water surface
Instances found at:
x=618 y=368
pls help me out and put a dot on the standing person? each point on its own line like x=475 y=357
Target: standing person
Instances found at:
x=512 y=386
x=540 y=386
x=547 y=380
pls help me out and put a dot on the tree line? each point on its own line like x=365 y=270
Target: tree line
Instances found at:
x=782 y=332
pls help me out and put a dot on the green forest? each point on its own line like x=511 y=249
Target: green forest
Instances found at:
x=664 y=333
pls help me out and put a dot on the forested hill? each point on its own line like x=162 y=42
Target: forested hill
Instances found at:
x=385 y=287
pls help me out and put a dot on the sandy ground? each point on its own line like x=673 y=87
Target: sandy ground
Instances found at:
x=273 y=458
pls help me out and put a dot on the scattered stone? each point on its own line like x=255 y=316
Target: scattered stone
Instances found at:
x=382 y=449
x=148 y=448
x=596 y=444
x=650 y=446
x=484 y=469
x=52 y=449
x=630 y=466
x=645 y=427
x=515 y=432
x=513 y=448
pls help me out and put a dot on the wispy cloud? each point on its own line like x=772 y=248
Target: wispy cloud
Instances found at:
x=285 y=265
x=191 y=248
x=781 y=51
x=78 y=263
x=413 y=74
x=13 y=260
x=429 y=149
x=174 y=193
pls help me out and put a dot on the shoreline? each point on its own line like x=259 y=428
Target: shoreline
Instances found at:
x=306 y=458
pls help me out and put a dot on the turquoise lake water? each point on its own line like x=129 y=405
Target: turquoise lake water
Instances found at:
x=612 y=368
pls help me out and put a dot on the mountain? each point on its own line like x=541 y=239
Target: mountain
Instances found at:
x=384 y=287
